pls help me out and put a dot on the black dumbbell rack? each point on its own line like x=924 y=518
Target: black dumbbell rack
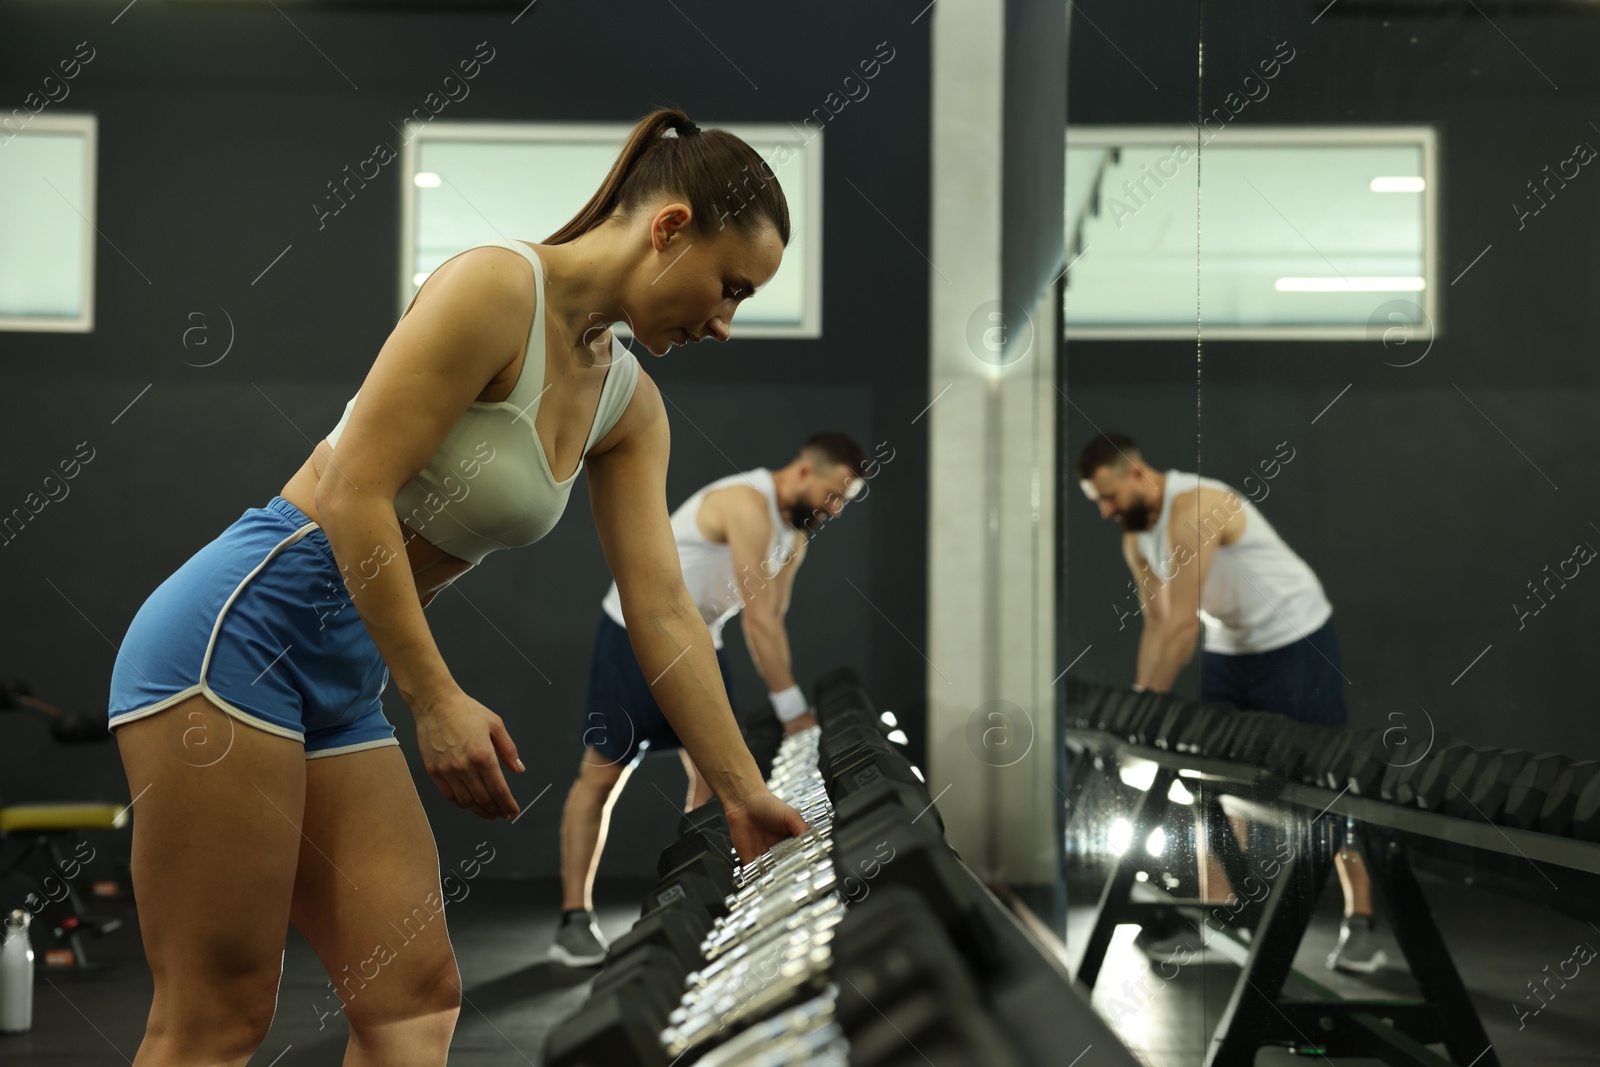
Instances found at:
x=906 y=955
x=1271 y=770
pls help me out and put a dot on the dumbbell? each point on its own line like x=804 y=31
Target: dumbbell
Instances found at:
x=1445 y=771
x=1287 y=750
x=679 y=930
x=1359 y=765
x=707 y=816
x=615 y=1026
x=904 y=984
x=1491 y=782
x=1197 y=730
x=1252 y=735
x=707 y=841
x=650 y=971
x=1530 y=790
x=1556 y=815
x=704 y=882
x=1145 y=720
x=1173 y=721
x=1585 y=824
x=858 y=803
x=1403 y=768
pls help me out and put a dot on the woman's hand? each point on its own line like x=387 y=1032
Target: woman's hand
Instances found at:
x=759 y=822
x=462 y=744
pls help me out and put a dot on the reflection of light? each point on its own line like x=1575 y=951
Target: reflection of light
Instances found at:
x=1120 y=836
x=1156 y=842
x=888 y=719
x=1348 y=285
x=1178 y=794
x=1140 y=876
x=918 y=773
x=418 y=278
x=1397 y=185
x=1138 y=775
x=426 y=180
x=899 y=737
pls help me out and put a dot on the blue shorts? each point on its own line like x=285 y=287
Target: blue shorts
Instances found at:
x=621 y=712
x=260 y=622
x=1301 y=680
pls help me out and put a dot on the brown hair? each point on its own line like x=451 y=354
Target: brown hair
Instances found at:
x=721 y=177
x=1114 y=450
x=834 y=447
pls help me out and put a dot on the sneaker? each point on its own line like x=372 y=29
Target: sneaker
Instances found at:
x=1358 y=951
x=579 y=942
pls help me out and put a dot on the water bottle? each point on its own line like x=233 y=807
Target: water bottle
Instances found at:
x=16 y=975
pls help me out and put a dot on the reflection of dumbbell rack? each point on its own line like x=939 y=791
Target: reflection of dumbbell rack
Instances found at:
x=1457 y=809
x=865 y=941
x=44 y=826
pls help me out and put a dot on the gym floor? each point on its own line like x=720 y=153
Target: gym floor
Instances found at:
x=1172 y=1025
x=513 y=994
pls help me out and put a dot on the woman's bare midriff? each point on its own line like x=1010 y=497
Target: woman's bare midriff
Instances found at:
x=432 y=568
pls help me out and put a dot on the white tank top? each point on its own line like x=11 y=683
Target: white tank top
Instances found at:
x=1258 y=594
x=490 y=486
x=708 y=566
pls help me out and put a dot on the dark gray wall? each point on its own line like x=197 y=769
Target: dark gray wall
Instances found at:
x=1428 y=496
x=218 y=131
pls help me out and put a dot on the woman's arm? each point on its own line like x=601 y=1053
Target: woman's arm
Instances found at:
x=462 y=331
x=627 y=490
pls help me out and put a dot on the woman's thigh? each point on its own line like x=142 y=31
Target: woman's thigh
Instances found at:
x=216 y=836
x=368 y=897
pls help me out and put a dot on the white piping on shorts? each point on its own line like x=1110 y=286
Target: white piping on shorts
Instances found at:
x=205 y=664
x=359 y=746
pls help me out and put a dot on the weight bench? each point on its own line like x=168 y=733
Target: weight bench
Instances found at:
x=46 y=827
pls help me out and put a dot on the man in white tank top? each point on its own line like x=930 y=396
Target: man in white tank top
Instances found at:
x=1207 y=565
x=740 y=541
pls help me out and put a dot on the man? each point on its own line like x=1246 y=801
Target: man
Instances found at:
x=1207 y=561
x=740 y=541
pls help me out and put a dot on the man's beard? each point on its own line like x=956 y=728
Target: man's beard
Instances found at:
x=803 y=517
x=1136 y=519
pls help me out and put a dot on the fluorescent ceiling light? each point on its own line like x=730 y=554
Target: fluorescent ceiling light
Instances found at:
x=429 y=180
x=1348 y=285
x=1398 y=185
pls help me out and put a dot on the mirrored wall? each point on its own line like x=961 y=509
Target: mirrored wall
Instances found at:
x=1325 y=453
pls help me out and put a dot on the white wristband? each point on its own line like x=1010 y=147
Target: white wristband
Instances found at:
x=789 y=704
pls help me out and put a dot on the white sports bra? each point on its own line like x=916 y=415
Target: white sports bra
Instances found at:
x=489 y=486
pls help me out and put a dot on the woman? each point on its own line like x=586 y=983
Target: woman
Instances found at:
x=245 y=696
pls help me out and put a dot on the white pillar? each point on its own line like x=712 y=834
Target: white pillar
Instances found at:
x=992 y=479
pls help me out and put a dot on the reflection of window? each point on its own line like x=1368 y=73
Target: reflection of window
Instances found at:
x=1312 y=232
x=47 y=179
x=467 y=182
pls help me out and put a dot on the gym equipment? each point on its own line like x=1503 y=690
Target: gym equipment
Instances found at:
x=1359 y=765
x=1197 y=730
x=679 y=930
x=613 y=1026
x=47 y=826
x=1173 y=721
x=902 y=982
x=1531 y=789
x=703 y=882
x=1485 y=798
x=706 y=841
x=1556 y=817
x=1447 y=770
x=708 y=815
x=1585 y=824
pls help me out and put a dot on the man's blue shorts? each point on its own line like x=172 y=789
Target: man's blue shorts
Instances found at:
x=620 y=711
x=260 y=622
x=1302 y=680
